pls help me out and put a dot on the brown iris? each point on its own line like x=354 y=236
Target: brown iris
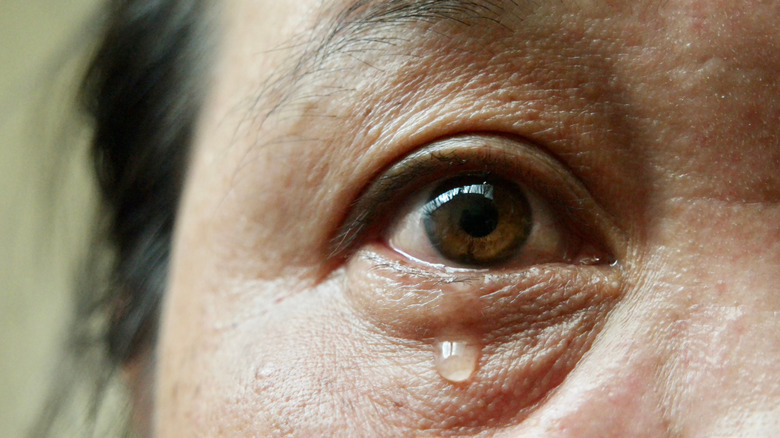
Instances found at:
x=477 y=220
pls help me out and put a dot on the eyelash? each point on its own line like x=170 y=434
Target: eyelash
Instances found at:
x=513 y=159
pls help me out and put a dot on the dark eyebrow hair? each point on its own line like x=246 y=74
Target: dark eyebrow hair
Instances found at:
x=361 y=13
x=361 y=16
x=350 y=27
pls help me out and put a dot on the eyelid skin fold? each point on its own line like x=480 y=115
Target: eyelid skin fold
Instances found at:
x=512 y=158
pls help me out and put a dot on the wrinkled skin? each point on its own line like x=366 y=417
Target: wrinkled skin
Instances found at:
x=664 y=113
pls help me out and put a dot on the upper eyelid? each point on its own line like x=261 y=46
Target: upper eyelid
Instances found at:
x=490 y=153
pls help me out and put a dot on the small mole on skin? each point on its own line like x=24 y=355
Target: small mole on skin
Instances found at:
x=456 y=359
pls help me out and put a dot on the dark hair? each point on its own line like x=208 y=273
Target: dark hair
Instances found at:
x=142 y=93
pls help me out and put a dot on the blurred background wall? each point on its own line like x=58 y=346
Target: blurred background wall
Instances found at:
x=44 y=194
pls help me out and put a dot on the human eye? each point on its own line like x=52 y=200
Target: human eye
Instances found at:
x=477 y=264
x=483 y=203
x=481 y=220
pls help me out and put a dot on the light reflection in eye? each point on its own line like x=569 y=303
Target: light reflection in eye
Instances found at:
x=476 y=220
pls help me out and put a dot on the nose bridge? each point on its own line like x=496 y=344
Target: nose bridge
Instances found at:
x=706 y=303
x=706 y=354
x=718 y=252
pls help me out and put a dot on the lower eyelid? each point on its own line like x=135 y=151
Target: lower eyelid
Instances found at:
x=388 y=290
x=532 y=328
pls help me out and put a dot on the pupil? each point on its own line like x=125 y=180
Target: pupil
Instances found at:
x=479 y=218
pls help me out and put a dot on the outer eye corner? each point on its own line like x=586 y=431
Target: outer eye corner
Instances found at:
x=343 y=242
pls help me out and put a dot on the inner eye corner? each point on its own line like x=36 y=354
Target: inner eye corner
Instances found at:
x=602 y=241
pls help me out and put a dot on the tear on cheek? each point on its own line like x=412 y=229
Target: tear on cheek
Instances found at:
x=456 y=358
x=471 y=349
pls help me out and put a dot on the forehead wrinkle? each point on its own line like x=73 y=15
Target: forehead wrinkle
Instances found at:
x=360 y=24
x=359 y=18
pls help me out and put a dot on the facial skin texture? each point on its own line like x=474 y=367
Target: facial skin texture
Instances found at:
x=665 y=114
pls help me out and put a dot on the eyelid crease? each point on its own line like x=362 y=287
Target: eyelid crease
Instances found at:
x=513 y=158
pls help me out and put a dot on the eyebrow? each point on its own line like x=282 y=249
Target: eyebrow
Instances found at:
x=367 y=12
x=360 y=16
x=351 y=27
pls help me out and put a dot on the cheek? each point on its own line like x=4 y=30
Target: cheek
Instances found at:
x=721 y=332
x=524 y=332
x=262 y=358
x=357 y=351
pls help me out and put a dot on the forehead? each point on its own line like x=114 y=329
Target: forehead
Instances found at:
x=357 y=77
x=276 y=44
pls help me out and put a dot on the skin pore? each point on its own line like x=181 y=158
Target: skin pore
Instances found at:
x=645 y=133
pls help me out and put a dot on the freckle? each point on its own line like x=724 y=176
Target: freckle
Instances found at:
x=456 y=359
